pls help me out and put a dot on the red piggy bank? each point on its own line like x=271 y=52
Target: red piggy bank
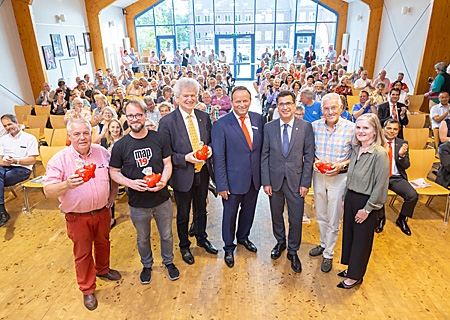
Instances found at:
x=87 y=172
x=152 y=179
x=202 y=154
x=324 y=167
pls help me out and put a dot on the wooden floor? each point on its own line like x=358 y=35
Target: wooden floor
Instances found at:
x=407 y=277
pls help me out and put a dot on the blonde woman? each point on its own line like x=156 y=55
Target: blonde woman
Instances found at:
x=108 y=113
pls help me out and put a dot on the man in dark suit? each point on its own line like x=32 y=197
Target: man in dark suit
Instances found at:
x=286 y=173
x=184 y=129
x=398 y=180
x=309 y=56
x=237 y=139
x=393 y=109
x=443 y=175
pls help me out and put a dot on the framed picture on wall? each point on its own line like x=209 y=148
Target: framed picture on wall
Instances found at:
x=57 y=45
x=71 y=45
x=87 y=41
x=49 y=58
x=82 y=55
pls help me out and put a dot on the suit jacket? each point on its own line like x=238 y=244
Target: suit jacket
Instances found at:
x=384 y=113
x=401 y=163
x=313 y=57
x=297 y=165
x=173 y=128
x=235 y=165
x=443 y=175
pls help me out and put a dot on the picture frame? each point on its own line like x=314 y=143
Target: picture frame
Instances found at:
x=71 y=45
x=49 y=57
x=57 y=45
x=82 y=55
x=87 y=41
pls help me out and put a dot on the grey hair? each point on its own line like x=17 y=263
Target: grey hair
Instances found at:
x=185 y=83
x=11 y=117
x=77 y=99
x=307 y=93
x=78 y=120
x=333 y=97
x=441 y=66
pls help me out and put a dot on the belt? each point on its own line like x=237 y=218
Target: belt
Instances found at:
x=89 y=212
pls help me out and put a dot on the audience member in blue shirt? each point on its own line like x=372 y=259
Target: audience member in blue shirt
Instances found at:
x=312 y=108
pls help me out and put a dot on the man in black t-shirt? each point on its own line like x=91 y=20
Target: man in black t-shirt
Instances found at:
x=132 y=158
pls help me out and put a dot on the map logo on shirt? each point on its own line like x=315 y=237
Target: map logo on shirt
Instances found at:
x=142 y=156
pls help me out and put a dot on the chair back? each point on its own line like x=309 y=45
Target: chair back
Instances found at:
x=22 y=113
x=57 y=121
x=42 y=110
x=416 y=137
x=436 y=139
x=48 y=152
x=59 y=137
x=34 y=132
x=416 y=120
x=421 y=163
x=351 y=101
x=48 y=135
x=37 y=122
x=415 y=102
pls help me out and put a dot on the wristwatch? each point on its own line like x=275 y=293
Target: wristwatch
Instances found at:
x=367 y=211
x=344 y=166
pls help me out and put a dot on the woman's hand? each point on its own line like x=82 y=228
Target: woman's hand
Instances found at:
x=361 y=216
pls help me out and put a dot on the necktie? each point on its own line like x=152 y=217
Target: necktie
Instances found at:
x=285 y=139
x=394 y=112
x=195 y=141
x=390 y=153
x=246 y=134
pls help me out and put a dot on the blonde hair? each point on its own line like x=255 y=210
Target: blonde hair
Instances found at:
x=373 y=120
x=108 y=136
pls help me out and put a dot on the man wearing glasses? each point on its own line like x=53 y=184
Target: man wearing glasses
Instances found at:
x=141 y=153
x=286 y=173
x=333 y=141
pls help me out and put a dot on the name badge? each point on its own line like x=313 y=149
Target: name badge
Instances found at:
x=253 y=127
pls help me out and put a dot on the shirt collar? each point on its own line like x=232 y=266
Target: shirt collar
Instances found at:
x=290 y=123
x=17 y=136
x=239 y=118
x=184 y=114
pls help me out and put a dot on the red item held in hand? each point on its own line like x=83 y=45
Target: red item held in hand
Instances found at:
x=324 y=167
x=87 y=172
x=152 y=179
x=202 y=154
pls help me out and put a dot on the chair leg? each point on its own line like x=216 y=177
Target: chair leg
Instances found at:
x=25 y=198
x=428 y=203
x=447 y=210
x=391 y=204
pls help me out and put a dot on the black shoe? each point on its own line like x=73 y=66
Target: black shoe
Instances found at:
x=4 y=218
x=316 y=251
x=209 y=247
x=326 y=266
x=229 y=259
x=343 y=285
x=380 y=224
x=296 y=265
x=187 y=256
x=193 y=229
x=146 y=275
x=403 y=225
x=343 y=274
x=173 y=271
x=248 y=245
x=277 y=250
x=212 y=188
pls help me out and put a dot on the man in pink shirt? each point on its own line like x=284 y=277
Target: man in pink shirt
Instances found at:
x=86 y=205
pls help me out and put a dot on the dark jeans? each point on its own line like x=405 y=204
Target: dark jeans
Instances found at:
x=10 y=176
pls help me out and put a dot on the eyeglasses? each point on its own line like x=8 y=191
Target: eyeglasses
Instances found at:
x=285 y=105
x=332 y=109
x=137 y=116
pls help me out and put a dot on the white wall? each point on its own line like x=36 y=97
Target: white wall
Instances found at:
x=44 y=12
x=358 y=32
x=394 y=29
x=12 y=66
x=113 y=29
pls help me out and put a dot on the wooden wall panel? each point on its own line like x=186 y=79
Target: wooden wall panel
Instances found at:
x=373 y=33
x=341 y=7
x=132 y=11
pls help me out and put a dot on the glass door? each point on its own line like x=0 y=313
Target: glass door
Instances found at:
x=166 y=44
x=303 y=41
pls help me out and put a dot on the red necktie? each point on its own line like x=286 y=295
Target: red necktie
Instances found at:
x=394 y=112
x=246 y=134
x=390 y=153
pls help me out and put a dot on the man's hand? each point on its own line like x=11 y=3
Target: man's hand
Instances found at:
x=224 y=194
x=335 y=169
x=158 y=187
x=74 y=181
x=303 y=191
x=138 y=185
x=190 y=158
x=403 y=149
x=209 y=152
x=7 y=161
x=403 y=111
x=268 y=190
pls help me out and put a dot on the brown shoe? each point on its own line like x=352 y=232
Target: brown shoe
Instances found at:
x=90 y=301
x=112 y=275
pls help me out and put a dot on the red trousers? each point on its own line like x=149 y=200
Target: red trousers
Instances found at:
x=84 y=230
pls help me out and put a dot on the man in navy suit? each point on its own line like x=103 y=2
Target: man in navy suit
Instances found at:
x=398 y=180
x=286 y=173
x=387 y=110
x=184 y=128
x=237 y=139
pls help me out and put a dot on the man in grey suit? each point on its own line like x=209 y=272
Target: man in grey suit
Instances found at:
x=286 y=173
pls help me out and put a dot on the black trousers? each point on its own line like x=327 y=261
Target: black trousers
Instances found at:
x=403 y=188
x=196 y=196
x=357 y=238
